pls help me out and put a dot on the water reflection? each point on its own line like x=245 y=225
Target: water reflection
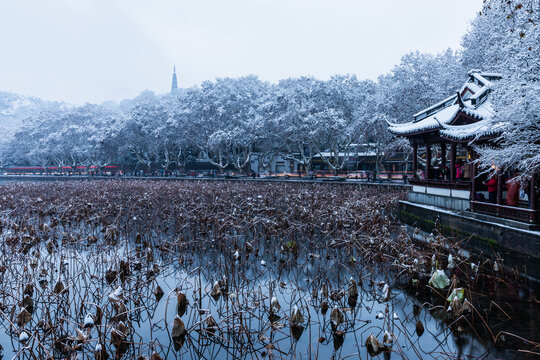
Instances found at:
x=135 y=307
x=174 y=287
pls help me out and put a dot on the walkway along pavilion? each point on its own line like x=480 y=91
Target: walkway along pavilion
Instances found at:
x=442 y=137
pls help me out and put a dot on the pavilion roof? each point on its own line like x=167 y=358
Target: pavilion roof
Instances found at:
x=470 y=104
x=430 y=123
x=482 y=129
x=484 y=111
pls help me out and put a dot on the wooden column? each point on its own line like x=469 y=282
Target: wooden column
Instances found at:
x=428 y=161
x=415 y=160
x=470 y=162
x=499 y=188
x=453 y=152
x=443 y=155
x=473 y=182
x=532 y=193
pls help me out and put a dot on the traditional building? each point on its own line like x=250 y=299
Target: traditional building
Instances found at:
x=455 y=124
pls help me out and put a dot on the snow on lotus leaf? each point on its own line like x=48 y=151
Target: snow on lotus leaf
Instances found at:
x=439 y=280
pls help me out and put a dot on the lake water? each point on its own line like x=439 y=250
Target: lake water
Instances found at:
x=114 y=268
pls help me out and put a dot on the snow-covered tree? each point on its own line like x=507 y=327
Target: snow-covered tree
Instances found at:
x=339 y=118
x=224 y=119
x=177 y=147
x=417 y=82
x=293 y=118
x=102 y=140
x=71 y=137
x=139 y=131
x=505 y=38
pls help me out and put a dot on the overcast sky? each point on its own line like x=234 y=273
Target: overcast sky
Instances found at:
x=95 y=50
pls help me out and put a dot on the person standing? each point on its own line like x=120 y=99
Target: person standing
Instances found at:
x=492 y=187
x=459 y=170
x=444 y=173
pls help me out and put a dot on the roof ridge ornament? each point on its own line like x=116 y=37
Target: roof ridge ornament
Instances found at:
x=460 y=100
x=391 y=123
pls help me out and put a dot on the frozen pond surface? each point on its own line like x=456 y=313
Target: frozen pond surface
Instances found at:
x=98 y=252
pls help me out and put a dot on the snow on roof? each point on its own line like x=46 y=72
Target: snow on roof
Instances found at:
x=433 y=107
x=477 y=130
x=471 y=86
x=441 y=115
x=349 y=153
x=483 y=111
x=491 y=76
x=434 y=121
x=481 y=91
x=482 y=80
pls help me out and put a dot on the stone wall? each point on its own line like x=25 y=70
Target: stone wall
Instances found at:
x=446 y=202
x=518 y=247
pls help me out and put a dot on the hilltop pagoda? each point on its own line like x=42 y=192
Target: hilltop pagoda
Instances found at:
x=174 y=85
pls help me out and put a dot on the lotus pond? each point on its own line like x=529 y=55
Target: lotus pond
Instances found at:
x=131 y=269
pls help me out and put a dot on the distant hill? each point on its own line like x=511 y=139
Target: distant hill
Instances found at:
x=15 y=108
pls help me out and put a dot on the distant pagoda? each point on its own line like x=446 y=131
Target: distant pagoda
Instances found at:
x=174 y=86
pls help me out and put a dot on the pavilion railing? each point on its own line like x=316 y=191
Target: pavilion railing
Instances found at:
x=509 y=212
x=457 y=185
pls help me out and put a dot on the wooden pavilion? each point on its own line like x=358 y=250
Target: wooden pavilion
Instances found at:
x=455 y=124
